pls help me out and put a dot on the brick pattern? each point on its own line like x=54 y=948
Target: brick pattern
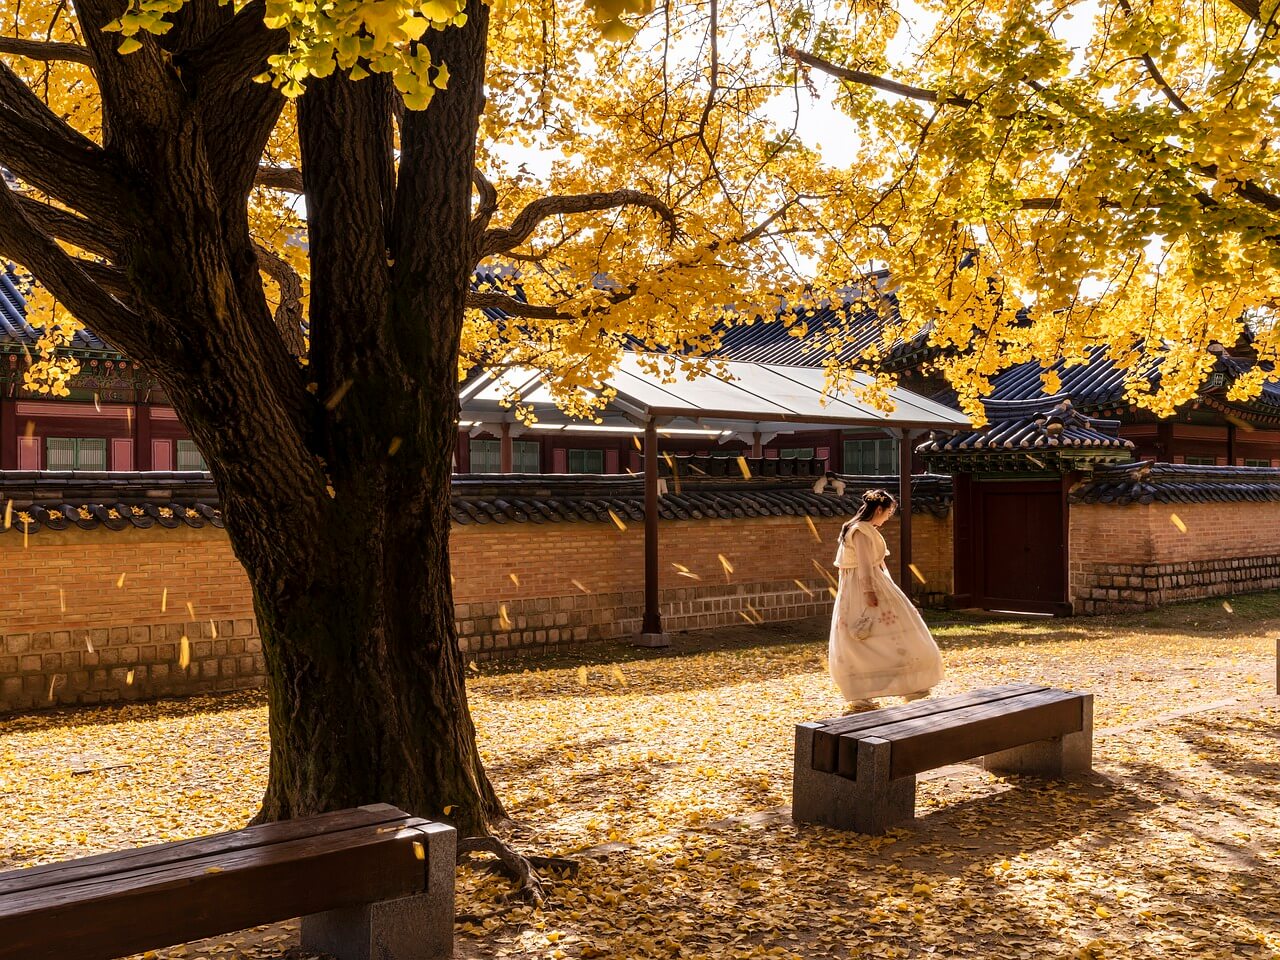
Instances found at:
x=71 y=631
x=1136 y=557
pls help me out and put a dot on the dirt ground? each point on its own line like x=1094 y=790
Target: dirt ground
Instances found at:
x=667 y=775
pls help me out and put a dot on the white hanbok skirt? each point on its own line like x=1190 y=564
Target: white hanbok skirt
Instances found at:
x=898 y=658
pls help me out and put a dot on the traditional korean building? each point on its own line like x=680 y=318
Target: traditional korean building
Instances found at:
x=116 y=418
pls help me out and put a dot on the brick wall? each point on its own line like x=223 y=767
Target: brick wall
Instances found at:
x=1135 y=557
x=71 y=632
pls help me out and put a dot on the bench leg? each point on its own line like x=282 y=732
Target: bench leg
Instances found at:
x=870 y=804
x=411 y=928
x=1058 y=757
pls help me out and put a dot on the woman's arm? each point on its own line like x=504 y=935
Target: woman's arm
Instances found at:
x=865 y=568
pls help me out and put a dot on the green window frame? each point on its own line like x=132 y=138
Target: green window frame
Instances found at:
x=486 y=456
x=585 y=461
x=1200 y=461
x=796 y=453
x=189 y=456
x=1256 y=463
x=75 y=453
x=873 y=457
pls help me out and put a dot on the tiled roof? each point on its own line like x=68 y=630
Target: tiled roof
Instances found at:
x=1051 y=423
x=55 y=501
x=16 y=332
x=1100 y=384
x=550 y=499
x=38 y=500
x=843 y=330
x=1148 y=482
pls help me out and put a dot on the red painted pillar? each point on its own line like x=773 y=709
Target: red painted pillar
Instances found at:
x=904 y=512
x=8 y=434
x=142 y=456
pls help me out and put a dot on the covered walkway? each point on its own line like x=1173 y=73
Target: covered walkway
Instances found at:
x=654 y=396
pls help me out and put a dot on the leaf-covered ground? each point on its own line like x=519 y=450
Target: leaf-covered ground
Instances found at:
x=670 y=774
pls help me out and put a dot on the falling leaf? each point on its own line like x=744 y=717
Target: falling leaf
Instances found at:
x=52 y=683
x=191 y=609
x=213 y=869
x=335 y=398
x=636 y=441
x=1177 y=522
x=746 y=470
x=120 y=582
x=62 y=600
x=832 y=591
x=813 y=528
x=394 y=447
x=88 y=644
x=617 y=521
x=164 y=599
x=128 y=678
x=472 y=666
x=184 y=652
x=213 y=629
x=579 y=585
x=419 y=850
x=333 y=494
x=807 y=591
x=915 y=572
x=617 y=675
x=8 y=514
x=30 y=430
x=582 y=676
x=97 y=402
x=514 y=579
x=1226 y=605
x=503 y=618
x=449 y=809
x=724 y=562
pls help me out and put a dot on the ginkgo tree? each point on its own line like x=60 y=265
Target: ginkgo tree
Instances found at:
x=303 y=219
x=1042 y=178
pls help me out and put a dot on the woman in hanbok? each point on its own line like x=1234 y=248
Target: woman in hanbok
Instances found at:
x=880 y=646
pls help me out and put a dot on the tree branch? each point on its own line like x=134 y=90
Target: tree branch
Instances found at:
x=1169 y=93
x=492 y=300
x=288 y=313
x=488 y=202
x=871 y=80
x=288 y=179
x=236 y=51
x=66 y=278
x=70 y=227
x=46 y=51
x=500 y=240
x=48 y=153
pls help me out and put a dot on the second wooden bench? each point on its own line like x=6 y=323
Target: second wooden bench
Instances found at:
x=859 y=772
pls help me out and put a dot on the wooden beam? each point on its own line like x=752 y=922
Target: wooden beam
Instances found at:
x=904 y=511
x=651 y=633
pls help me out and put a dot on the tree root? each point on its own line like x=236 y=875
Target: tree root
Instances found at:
x=523 y=870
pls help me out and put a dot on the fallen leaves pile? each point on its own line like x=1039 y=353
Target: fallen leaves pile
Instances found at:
x=668 y=776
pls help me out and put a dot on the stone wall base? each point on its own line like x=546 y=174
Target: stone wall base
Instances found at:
x=1134 y=587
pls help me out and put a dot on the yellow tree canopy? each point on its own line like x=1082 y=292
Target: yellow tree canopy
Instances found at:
x=1042 y=177
x=1037 y=178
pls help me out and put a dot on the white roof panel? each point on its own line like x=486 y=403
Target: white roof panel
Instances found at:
x=747 y=394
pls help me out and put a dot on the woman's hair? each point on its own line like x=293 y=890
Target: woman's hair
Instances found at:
x=873 y=501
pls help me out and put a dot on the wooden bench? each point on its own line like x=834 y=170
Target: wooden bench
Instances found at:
x=371 y=883
x=859 y=772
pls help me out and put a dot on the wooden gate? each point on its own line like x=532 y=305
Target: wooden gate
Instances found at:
x=1011 y=545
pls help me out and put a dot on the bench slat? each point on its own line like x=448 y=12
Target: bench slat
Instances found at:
x=103 y=916
x=926 y=743
x=32 y=878
x=826 y=739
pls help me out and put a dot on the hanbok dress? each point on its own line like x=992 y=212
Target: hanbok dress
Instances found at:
x=898 y=656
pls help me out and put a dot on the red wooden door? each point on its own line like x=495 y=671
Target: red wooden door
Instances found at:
x=1020 y=550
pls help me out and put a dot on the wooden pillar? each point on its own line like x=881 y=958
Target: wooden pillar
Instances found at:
x=143 y=458
x=904 y=511
x=1231 y=444
x=506 y=457
x=8 y=433
x=651 y=633
x=1164 y=441
x=757 y=448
